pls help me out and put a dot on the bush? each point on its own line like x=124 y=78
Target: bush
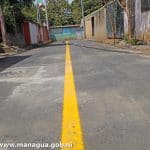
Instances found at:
x=130 y=41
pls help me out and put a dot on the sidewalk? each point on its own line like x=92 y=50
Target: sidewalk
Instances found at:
x=113 y=48
x=121 y=44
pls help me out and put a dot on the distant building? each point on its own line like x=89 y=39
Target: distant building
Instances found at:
x=100 y=24
x=104 y=22
x=66 y=32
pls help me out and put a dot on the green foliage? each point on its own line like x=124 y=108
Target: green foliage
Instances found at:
x=29 y=13
x=76 y=11
x=56 y=14
x=130 y=41
x=91 y=5
x=7 y=13
x=14 y=13
x=133 y=41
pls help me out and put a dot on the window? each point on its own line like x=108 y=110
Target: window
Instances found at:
x=145 y=5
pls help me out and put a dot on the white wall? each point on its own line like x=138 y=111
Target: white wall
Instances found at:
x=33 y=33
x=142 y=22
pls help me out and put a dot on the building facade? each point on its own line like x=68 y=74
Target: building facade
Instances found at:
x=106 y=22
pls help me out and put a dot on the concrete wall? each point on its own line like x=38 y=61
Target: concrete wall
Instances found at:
x=66 y=32
x=100 y=26
x=17 y=39
x=142 y=23
x=33 y=33
x=88 y=28
x=100 y=32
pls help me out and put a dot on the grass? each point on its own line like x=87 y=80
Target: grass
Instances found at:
x=130 y=41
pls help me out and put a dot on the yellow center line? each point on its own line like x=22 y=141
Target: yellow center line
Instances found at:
x=71 y=127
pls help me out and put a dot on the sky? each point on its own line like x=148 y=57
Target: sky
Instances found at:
x=70 y=1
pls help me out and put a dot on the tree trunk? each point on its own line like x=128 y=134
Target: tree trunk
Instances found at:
x=112 y=18
x=130 y=10
x=3 y=30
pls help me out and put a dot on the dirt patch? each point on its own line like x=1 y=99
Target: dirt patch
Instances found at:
x=6 y=49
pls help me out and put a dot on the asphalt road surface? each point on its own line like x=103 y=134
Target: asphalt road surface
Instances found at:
x=110 y=97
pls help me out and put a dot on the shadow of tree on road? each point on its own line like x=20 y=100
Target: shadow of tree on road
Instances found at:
x=10 y=61
x=63 y=43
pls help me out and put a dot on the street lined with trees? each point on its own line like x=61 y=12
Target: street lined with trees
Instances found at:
x=62 y=87
x=60 y=12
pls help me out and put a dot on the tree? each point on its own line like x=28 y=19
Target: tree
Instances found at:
x=56 y=13
x=76 y=11
x=29 y=13
x=14 y=13
x=2 y=25
x=129 y=8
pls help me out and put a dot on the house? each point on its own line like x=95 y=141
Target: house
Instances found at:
x=106 y=22
x=120 y=19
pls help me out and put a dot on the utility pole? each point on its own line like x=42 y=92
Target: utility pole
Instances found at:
x=14 y=19
x=40 y=4
x=3 y=29
x=83 y=18
x=37 y=14
x=46 y=13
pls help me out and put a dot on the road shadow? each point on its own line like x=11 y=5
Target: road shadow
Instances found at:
x=55 y=44
x=2 y=50
x=63 y=43
x=10 y=61
x=105 y=49
x=42 y=45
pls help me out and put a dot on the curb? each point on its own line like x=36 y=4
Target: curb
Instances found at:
x=119 y=49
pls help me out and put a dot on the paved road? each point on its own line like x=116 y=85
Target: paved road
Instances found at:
x=113 y=94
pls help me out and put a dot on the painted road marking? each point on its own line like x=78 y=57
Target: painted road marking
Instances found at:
x=71 y=127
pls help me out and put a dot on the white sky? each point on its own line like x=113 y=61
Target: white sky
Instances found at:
x=70 y=1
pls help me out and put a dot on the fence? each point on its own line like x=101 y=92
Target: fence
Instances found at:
x=33 y=33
